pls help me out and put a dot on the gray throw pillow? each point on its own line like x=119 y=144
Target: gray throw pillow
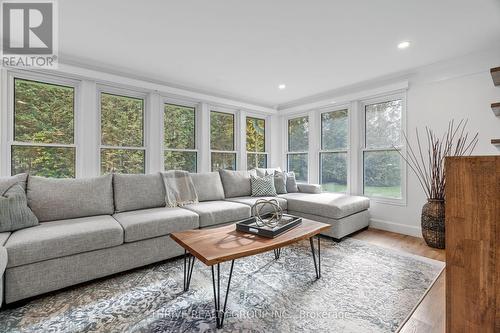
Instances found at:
x=291 y=183
x=280 y=182
x=236 y=183
x=263 y=186
x=14 y=211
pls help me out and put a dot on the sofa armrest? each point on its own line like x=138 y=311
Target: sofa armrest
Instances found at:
x=309 y=188
x=3 y=265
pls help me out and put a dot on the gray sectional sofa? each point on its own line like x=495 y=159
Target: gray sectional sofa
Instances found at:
x=91 y=228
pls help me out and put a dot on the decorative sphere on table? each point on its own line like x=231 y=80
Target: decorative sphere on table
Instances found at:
x=259 y=209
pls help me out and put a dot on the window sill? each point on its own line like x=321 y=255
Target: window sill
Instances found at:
x=388 y=201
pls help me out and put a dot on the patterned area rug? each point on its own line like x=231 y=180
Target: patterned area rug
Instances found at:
x=364 y=288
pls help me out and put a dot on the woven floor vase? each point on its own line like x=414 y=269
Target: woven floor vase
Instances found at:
x=433 y=223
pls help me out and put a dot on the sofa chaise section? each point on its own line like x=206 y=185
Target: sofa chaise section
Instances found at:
x=346 y=213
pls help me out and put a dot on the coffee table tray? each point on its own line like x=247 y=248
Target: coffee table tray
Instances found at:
x=250 y=225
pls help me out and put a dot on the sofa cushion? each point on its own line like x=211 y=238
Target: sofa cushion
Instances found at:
x=217 y=212
x=236 y=183
x=332 y=205
x=7 y=182
x=208 y=186
x=61 y=199
x=134 y=192
x=62 y=238
x=250 y=201
x=155 y=222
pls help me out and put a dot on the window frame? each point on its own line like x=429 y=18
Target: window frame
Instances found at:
x=10 y=123
x=182 y=103
x=287 y=143
x=347 y=150
x=236 y=142
x=402 y=147
x=266 y=139
x=122 y=92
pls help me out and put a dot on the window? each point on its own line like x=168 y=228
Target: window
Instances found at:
x=223 y=153
x=179 y=123
x=256 y=143
x=298 y=147
x=44 y=136
x=122 y=134
x=333 y=154
x=382 y=167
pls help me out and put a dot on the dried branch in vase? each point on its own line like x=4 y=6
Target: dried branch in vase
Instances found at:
x=428 y=165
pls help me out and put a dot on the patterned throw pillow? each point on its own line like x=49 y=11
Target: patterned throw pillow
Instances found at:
x=14 y=211
x=280 y=182
x=263 y=186
x=291 y=183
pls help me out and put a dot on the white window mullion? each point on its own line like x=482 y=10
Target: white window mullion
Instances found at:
x=87 y=145
x=5 y=101
x=203 y=125
x=241 y=140
x=154 y=133
x=314 y=148
x=355 y=161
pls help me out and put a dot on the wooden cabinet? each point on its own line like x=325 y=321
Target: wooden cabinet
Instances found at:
x=473 y=244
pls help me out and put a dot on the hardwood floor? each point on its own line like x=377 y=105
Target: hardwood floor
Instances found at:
x=429 y=316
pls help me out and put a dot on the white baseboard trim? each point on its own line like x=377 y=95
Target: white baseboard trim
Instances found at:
x=396 y=227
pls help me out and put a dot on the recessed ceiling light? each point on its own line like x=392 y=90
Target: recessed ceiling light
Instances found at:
x=404 y=45
x=282 y=86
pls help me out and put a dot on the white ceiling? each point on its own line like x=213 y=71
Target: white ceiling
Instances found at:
x=244 y=49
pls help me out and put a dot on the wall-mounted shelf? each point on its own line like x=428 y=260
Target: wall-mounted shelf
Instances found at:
x=495 y=107
x=495 y=75
x=495 y=142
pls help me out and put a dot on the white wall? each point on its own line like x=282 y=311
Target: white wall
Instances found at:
x=433 y=104
x=456 y=89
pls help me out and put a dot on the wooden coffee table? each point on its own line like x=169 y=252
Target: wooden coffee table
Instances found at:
x=217 y=245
